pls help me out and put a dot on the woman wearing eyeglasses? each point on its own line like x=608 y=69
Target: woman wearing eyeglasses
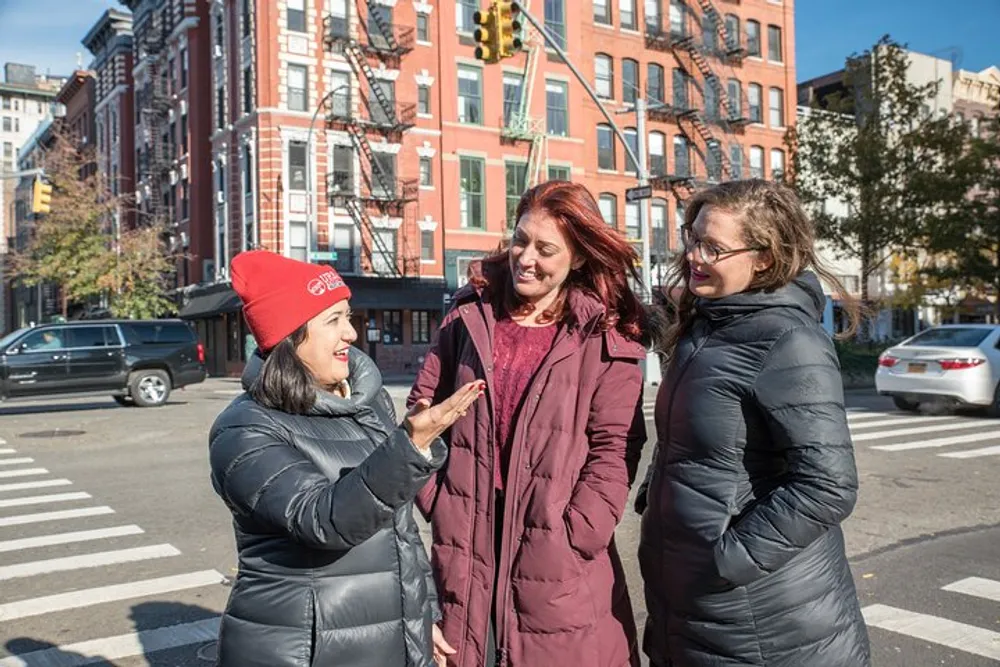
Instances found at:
x=741 y=550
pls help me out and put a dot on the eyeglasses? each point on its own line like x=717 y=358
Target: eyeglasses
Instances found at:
x=709 y=253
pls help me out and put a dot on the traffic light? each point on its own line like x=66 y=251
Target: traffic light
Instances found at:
x=507 y=26
x=488 y=49
x=41 y=196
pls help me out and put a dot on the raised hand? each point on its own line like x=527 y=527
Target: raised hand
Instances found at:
x=425 y=422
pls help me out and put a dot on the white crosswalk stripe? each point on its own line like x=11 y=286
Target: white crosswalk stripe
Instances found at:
x=53 y=547
x=904 y=431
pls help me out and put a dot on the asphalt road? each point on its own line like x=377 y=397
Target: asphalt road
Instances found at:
x=114 y=550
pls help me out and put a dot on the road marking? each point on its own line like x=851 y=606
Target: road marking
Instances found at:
x=68 y=538
x=91 y=596
x=100 y=651
x=99 y=559
x=861 y=416
x=897 y=421
x=879 y=435
x=976 y=587
x=40 y=484
x=7 y=451
x=22 y=519
x=26 y=472
x=937 y=442
x=41 y=500
x=15 y=462
x=973 y=453
x=952 y=634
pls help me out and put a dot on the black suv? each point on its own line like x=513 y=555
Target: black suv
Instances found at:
x=137 y=361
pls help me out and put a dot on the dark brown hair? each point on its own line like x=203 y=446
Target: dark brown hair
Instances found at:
x=608 y=260
x=284 y=382
x=772 y=218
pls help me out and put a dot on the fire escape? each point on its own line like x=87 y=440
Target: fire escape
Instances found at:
x=382 y=192
x=154 y=105
x=517 y=124
x=705 y=129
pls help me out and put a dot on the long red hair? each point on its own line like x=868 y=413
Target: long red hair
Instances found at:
x=608 y=260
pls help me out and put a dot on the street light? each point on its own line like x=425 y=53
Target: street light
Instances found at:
x=310 y=235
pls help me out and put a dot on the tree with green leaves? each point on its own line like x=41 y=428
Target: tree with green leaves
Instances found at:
x=875 y=167
x=136 y=275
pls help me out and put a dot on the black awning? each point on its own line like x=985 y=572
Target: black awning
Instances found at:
x=204 y=306
x=396 y=293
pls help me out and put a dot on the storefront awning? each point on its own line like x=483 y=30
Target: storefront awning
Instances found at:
x=205 y=306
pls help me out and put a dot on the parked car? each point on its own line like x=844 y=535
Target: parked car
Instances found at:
x=138 y=362
x=955 y=364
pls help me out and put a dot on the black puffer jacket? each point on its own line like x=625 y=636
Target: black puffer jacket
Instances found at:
x=332 y=570
x=741 y=550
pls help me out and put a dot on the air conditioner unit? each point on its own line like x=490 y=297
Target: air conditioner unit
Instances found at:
x=218 y=51
x=220 y=197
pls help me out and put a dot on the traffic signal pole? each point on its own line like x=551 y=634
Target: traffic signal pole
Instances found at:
x=652 y=365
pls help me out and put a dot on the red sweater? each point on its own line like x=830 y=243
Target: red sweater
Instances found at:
x=518 y=352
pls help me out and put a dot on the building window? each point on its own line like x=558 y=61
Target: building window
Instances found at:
x=421 y=327
x=427 y=245
x=655 y=83
x=342 y=174
x=297 y=15
x=383 y=114
x=7 y=127
x=6 y=103
x=713 y=161
x=776 y=107
x=516 y=183
x=559 y=173
x=604 y=76
x=557 y=108
x=184 y=68
x=658 y=221
x=732 y=32
x=753 y=38
x=680 y=86
x=249 y=228
x=471 y=184
x=711 y=95
x=626 y=14
x=392 y=327
x=555 y=21
x=426 y=174
x=384 y=170
x=632 y=140
x=682 y=157
x=657 y=154
x=220 y=108
x=378 y=16
x=423 y=28
x=735 y=162
x=247 y=90
x=602 y=12
x=298 y=82
x=754 y=94
x=756 y=162
x=777 y=164
x=608 y=204
x=630 y=81
x=511 y=97
x=470 y=95
x=424 y=99
x=774 y=43
x=605 y=147
x=734 y=101
x=464 y=9
x=384 y=257
x=632 y=220
x=710 y=34
x=185 y=199
x=246 y=14
x=184 y=134
x=297 y=241
x=340 y=87
x=297 y=166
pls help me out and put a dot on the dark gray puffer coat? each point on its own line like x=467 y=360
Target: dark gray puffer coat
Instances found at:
x=332 y=570
x=741 y=551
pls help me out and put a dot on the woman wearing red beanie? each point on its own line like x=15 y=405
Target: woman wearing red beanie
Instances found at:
x=320 y=481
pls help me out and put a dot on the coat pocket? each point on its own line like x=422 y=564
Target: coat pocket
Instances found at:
x=551 y=593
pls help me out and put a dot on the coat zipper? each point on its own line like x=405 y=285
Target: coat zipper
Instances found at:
x=680 y=375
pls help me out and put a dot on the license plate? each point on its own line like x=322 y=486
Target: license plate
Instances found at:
x=916 y=368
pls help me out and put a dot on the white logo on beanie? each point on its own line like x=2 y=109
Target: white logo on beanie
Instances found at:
x=326 y=282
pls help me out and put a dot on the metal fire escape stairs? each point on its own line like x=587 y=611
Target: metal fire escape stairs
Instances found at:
x=520 y=125
x=154 y=107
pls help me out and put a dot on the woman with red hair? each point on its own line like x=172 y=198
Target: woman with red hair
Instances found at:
x=525 y=511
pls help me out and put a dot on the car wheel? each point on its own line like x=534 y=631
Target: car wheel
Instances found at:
x=904 y=404
x=994 y=410
x=124 y=401
x=149 y=388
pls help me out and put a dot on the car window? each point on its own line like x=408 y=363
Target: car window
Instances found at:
x=12 y=336
x=951 y=337
x=42 y=341
x=91 y=337
x=168 y=333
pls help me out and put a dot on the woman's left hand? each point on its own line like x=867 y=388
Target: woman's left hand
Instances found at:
x=442 y=649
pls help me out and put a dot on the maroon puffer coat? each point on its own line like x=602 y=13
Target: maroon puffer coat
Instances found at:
x=576 y=446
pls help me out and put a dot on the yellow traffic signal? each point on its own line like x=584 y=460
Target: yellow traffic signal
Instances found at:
x=41 y=196
x=507 y=25
x=486 y=35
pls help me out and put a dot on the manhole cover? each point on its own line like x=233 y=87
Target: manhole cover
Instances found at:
x=57 y=433
x=209 y=652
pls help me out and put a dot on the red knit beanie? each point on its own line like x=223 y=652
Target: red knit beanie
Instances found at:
x=281 y=294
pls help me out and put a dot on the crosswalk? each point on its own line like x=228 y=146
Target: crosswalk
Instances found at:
x=66 y=539
x=948 y=436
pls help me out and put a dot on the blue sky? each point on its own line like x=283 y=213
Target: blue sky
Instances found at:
x=48 y=32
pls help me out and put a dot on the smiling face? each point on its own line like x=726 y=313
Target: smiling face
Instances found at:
x=540 y=259
x=719 y=231
x=329 y=335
